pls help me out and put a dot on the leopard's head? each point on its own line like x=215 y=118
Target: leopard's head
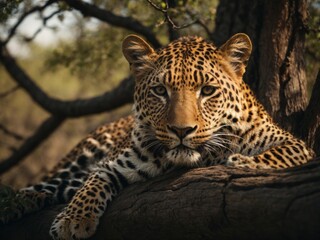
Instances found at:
x=186 y=92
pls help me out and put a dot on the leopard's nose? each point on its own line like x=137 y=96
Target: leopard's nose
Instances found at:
x=182 y=132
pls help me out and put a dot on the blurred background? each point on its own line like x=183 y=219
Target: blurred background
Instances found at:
x=71 y=55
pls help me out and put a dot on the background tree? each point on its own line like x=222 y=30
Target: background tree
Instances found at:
x=276 y=72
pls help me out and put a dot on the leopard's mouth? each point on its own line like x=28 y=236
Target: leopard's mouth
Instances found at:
x=183 y=155
x=182 y=147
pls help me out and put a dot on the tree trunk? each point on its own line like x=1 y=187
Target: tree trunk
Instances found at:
x=205 y=203
x=311 y=119
x=276 y=70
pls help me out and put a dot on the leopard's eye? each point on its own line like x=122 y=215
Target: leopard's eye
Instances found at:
x=207 y=90
x=160 y=90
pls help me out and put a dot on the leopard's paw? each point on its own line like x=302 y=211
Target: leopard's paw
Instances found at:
x=13 y=205
x=239 y=160
x=8 y=207
x=66 y=227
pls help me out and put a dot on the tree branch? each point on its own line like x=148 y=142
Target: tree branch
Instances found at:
x=44 y=23
x=23 y=16
x=8 y=92
x=201 y=23
x=8 y=146
x=11 y=133
x=129 y=23
x=45 y=129
x=110 y=100
x=205 y=203
x=168 y=18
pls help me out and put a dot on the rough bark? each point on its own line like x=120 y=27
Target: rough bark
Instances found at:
x=311 y=120
x=276 y=70
x=205 y=203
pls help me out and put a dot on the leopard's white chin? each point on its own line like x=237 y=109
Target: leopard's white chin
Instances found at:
x=183 y=157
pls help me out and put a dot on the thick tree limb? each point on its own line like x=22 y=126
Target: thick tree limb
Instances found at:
x=110 y=100
x=205 y=203
x=45 y=130
x=104 y=15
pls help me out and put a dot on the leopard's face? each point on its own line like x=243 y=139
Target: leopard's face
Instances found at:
x=185 y=93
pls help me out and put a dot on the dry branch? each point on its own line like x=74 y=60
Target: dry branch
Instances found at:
x=205 y=203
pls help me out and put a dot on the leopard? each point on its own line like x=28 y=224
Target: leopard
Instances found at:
x=191 y=108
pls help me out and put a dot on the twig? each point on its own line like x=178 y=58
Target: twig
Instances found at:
x=8 y=92
x=155 y=6
x=29 y=39
x=168 y=18
x=45 y=19
x=200 y=22
x=8 y=146
x=10 y=133
x=204 y=26
x=44 y=22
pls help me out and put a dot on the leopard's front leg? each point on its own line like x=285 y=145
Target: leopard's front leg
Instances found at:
x=289 y=154
x=81 y=217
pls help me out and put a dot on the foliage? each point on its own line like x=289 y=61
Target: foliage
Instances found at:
x=8 y=8
x=312 y=42
x=93 y=56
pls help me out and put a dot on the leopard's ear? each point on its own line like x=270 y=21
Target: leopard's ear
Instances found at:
x=237 y=52
x=137 y=52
